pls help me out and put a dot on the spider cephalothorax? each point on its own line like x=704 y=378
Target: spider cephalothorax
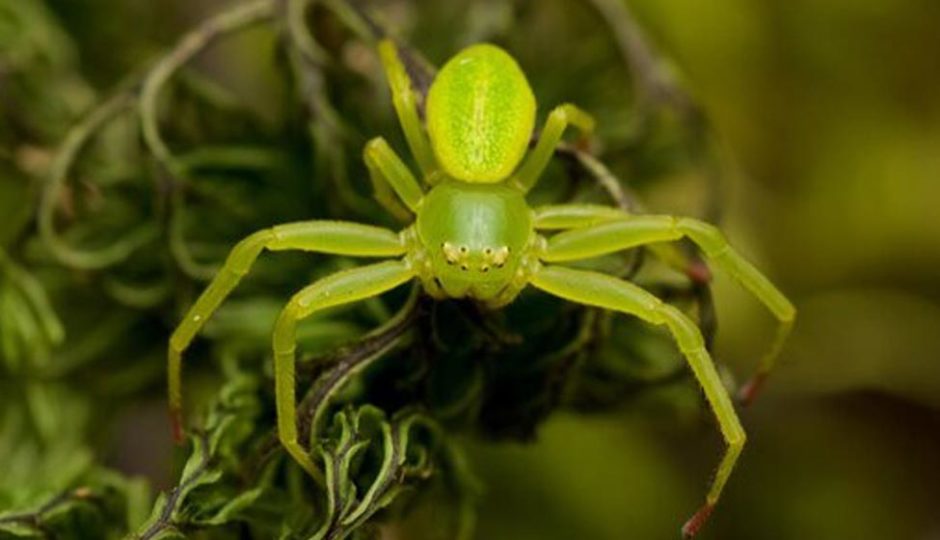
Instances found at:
x=474 y=235
x=473 y=240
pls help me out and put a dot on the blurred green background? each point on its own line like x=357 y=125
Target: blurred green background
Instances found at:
x=828 y=113
x=831 y=110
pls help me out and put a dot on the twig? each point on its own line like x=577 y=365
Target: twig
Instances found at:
x=357 y=19
x=700 y=288
x=188 y=47
x=368 y=350
x=174 y=499
x=34 y=519
x=653 y=82
x=327 y=131
x=331 y=371
x=624 y=200
x=294 y=15
x=76 y=139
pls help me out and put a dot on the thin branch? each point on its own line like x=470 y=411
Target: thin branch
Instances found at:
x=610 y=183
x=175 y=497
x=188 y=47
x=294 y=15
x=76 y=139
x=367 y=351
x=697 y=269
x=655 y=84
x=330 y=372
x=35 y=519
x=653 y=81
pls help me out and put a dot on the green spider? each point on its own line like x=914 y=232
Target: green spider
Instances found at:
x=475 y=236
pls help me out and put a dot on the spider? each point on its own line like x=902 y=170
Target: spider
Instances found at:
x=474 y=236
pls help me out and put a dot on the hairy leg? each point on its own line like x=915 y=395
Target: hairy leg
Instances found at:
x=405 y=101
x=340 y=288
x=558 y=121
x=641 y=230
x=387 y=169
x=599 y=290
x=334 y=237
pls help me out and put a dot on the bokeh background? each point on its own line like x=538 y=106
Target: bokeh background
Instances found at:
x=831 y=112
x=827 y=117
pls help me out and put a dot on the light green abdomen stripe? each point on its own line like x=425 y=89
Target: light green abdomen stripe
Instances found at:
x=480 y=115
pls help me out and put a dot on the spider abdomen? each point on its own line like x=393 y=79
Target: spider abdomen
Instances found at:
x=480 y=115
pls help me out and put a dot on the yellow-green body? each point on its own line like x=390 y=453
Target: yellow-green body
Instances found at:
x=471 y=239
x=471 y=233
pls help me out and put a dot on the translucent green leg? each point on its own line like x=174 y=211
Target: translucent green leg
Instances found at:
x=334 y=237
x=340 y=288
x=599 y=290
x=647 y=229
x=558 y=120
x=405 y=101
x=579 y=216
x=575 y=216
x=387 y=169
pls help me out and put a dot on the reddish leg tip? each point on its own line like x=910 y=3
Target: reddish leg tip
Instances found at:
x=699 y=272
x=695 y=523
x=749 y=391
x=176 y=422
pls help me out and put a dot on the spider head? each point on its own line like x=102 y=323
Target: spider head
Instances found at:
x=474 y=236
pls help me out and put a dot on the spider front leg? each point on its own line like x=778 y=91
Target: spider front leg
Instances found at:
x=640 y=230
x=334 y=237
x=575 y=216
x=599 y=290
x=404 y=99
x=558 y=121
x=582 y=215
x=340 y=288
x=387 y=169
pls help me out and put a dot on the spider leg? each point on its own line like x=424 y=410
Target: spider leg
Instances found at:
x=387 y=169
x=335 y=237
x=579 y=216
x=599 y=290
x=640 y=230
x=404 y=98
x=575 y=216
x=558 y=120
x=340 y=288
